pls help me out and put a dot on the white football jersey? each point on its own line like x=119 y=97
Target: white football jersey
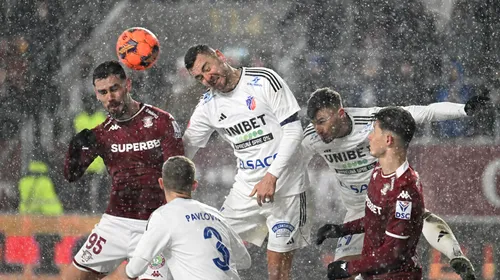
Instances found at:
x=250 y=118
x=349 y=157
x=195 y=240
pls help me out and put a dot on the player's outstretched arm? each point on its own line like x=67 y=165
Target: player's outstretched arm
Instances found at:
x=336 y=231
x=81 y=153
x=443 y=111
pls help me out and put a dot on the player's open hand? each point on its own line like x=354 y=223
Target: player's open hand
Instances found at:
x=328 y=231
x=265 y=189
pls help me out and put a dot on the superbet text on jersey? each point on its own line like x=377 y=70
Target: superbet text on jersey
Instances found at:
x=134 y=151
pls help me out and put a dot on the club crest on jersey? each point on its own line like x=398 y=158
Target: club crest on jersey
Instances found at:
x=157 y=262
x=251 y=103
x=283 y=229
x=387 y=187
x=148 y=121
x=403 y=210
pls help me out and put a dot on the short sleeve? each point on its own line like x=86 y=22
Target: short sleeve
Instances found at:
x=199 y=129
x=279 y=96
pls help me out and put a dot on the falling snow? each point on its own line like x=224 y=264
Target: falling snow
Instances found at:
x=373 y=52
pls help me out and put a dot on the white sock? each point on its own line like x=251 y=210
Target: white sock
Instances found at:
x=439 y=235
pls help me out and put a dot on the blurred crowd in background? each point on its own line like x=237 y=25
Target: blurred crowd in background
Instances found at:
x=374 y=53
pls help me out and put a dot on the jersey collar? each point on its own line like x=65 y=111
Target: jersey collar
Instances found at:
x=400 y=171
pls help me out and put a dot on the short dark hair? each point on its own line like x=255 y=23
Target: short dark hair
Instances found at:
x=178 y=174
x=107 y=69
x=192 y=54
x=397 y=120
x=323 y=98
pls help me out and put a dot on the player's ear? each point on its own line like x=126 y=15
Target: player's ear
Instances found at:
x=160 y=181
x=128 y=84
x=389 y=139
x=220 y=55
x=195 y=185
x=341 y=112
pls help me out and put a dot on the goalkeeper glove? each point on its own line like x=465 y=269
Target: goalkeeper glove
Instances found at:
x=328 y=231
x=338 y=270
x=476 y=104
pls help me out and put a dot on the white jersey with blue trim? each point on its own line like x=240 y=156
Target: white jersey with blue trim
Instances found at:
x=195 y=240
x=250 y=118
x=349 y=157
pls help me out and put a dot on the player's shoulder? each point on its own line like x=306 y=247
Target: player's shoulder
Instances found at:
x=408 y=184
x=361 y=115
x=206 y=98
x=156 y=112
x=310 y=136
x=255 y=76
x=105 y=125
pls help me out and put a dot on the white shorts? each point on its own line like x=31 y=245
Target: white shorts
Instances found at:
x=284 y=221
x=112 y=241
x=350 y=245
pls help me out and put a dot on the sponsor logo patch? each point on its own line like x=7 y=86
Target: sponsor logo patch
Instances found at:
x=403 y=210
x=283 y=229
x=157 y=262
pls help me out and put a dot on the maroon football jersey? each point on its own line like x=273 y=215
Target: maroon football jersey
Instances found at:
x=392 y=225
x=133 y=151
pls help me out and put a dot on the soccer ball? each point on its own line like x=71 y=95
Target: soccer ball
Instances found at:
x=138 y=48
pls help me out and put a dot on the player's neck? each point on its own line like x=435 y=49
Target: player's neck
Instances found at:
x=346 y=127
x=172 y=196
x=132 y=109
x=391 y=161
x=234 y=78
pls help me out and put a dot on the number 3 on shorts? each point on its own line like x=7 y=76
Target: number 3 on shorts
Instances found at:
x=224 y=263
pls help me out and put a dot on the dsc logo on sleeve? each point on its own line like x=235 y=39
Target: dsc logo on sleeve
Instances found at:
x=403 y=210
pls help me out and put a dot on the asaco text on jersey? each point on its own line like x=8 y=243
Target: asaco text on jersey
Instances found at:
x=134 y=151
x=394 y=209
x=249 y=118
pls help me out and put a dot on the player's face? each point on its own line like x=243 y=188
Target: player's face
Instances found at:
x=212 y=71
x=378 y=141
x=328 y=122
x=113 y=94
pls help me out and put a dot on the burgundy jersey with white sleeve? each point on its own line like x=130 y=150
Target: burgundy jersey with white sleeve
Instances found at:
x=392 y=225
x=133 y=151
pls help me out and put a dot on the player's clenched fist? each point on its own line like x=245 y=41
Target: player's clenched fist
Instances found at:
x=338 y=270
x=476 y=104
x=328 y=231
x=84 y=138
